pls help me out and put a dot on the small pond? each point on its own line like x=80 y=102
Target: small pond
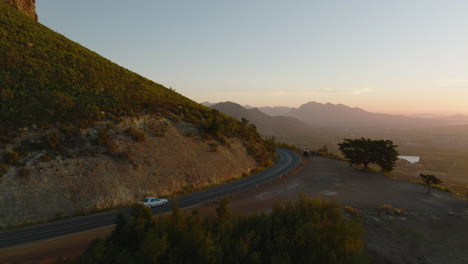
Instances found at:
x=412 y=159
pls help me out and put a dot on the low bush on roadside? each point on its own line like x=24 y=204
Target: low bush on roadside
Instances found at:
x=11 y=158
x=352 y=210
x=3 y=169
x=386 y=208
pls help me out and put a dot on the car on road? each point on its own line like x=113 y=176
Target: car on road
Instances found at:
x=153 y=202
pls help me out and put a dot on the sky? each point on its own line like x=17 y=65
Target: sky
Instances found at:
x=398 y=56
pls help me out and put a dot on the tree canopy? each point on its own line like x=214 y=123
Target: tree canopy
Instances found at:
x=310 y=231
x=429 y=180
x=366 y=151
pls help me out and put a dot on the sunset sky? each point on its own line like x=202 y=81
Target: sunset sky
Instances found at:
x=399 y=56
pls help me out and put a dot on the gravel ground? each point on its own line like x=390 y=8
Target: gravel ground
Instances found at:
x=432 y=232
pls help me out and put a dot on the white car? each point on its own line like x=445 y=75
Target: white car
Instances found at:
x=153 y=202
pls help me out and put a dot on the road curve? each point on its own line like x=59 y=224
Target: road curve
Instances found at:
x=287 y=161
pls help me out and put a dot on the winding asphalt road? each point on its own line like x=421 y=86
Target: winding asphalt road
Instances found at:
x=287 y=161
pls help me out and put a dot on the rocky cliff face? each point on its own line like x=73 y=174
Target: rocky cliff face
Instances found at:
x=28 y=7
x=80 y=177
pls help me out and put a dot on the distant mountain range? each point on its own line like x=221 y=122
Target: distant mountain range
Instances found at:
x=279 y=126
x=275 y=110
x=339 y=115
x=331 y=115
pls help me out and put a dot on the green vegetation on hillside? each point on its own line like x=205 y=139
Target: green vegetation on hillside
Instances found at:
x=310 y=231
x=47 y=79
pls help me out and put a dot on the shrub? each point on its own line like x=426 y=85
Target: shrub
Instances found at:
x=75 y=138
x=136 y=134
x=352 y=210
x=112 y=146
x=25 y=172
x=54 y=140
x=110 y=125
x=189 y=134
x=213 y=147
x=310 y=231
x=3 y=169
x=46 y=157
x=65 y=129
x=11 y=158
x=103 y=136
x=386 y=208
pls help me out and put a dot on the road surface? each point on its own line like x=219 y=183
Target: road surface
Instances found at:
x=287 y=161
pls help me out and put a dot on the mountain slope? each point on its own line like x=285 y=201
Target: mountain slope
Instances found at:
x=275 y=110
x=283 y=128
x=331 y=115
x=46 y=78
x=80 y=133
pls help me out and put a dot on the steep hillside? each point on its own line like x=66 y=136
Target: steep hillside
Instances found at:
x=46 y=78
x=78 y=132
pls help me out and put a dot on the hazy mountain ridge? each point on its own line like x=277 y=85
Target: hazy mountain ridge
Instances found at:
x=340 y=115
x=275 y=110
x=453 y=119
x=279 y=126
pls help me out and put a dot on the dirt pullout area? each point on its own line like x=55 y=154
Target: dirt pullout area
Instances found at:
x=434 y=229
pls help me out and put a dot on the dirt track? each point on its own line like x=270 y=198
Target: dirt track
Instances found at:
x=427 y=235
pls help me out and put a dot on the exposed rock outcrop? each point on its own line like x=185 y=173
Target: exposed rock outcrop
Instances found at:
x=28 y=7
x=79 y=177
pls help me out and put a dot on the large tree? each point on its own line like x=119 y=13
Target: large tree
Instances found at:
x=366 y=151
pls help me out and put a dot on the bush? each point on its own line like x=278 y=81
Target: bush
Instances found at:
x=136 y=134
x=103 y=137
x=310 y=231
x=54 y=140
x=11 y=158
x=112 y=146
x=213 y=147
x=46 y=157
x=25 y=172
x=3 y=169
x=189 y=134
